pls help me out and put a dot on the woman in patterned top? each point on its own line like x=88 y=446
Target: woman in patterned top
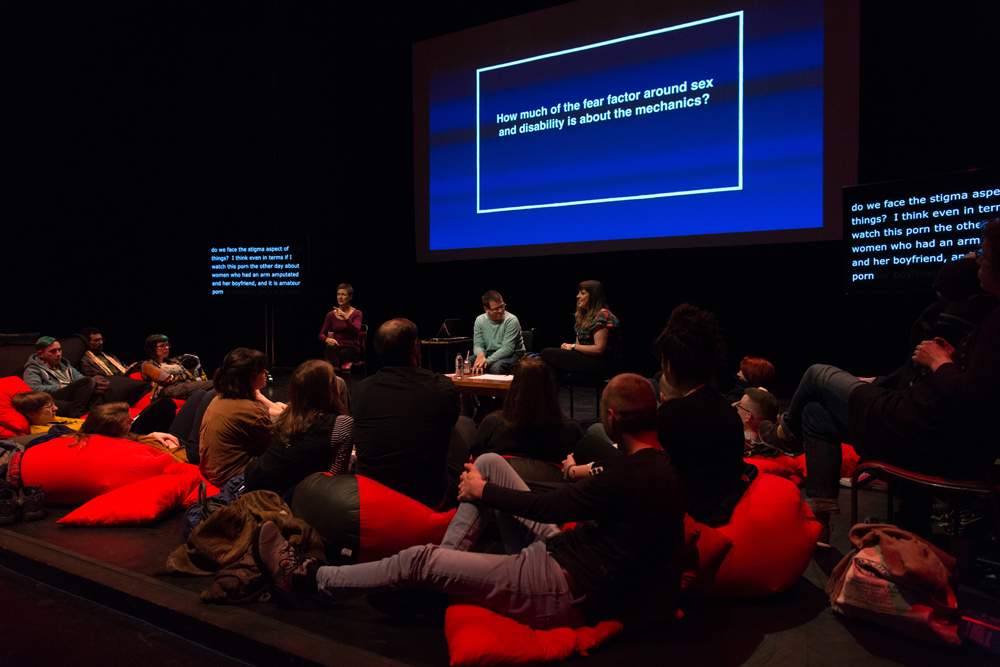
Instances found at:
x=174 y=377
x=596 y=334
x=313 y=434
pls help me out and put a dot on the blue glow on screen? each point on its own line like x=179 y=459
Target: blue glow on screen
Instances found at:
x=748 y=158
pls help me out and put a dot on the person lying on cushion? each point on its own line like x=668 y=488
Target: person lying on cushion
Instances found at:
x=40 y=411
x=236 y=428
x=632 y=526
x=114 y=421
x=314 y=433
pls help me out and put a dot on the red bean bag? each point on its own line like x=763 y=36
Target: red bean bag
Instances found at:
x=362 y=520
x=783 y=466
x=773 y=534
x=137 y=503
x=74 y=475
x=704 y=550
x=478 y=636
x=850 y=460
x=12 y=422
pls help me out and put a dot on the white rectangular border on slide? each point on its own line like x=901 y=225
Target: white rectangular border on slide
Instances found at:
x=739 y=185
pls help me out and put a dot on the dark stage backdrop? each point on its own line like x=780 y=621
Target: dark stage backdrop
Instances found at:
x=134 y=135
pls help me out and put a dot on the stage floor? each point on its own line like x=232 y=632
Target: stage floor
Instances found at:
x=117 y=568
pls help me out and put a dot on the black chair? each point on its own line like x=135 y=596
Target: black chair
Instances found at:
x=529 y=339
x=879 y=470
x=597 y=381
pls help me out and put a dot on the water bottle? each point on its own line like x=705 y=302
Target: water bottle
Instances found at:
x=466 y=370
x=458 y=366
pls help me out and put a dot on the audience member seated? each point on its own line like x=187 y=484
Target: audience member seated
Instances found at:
x=407 y=431
x=173 y=377
x=960 y=306
x=98 y=363
x=754 y=372
x=941 y=425
x=47 y=371
x=697 y=427
x=236 y=428
x=596 y=334
x=40 y=411
x=631 y=524
x=313 y=434
x=496 y=337
x=757 y=406
x=341 y=329
x=530 y=424
x=114 y=421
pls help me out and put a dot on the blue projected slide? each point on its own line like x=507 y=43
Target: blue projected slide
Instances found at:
x=575 y=129
x=623 y=119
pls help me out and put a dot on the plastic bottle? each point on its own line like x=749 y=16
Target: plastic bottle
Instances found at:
x=466 y=369
x=458 y=366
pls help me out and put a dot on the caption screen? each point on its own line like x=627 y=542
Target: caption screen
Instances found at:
x=704 y=127
x=899 y=234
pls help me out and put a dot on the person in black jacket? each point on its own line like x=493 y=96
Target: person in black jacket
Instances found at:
x=632 y=531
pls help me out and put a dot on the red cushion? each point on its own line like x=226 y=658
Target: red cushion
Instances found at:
x=783 y=466
x=181 y=468
x=849 y=460
x=12 y=422
x=137 y=503
x=704 y=550
x=773 y=534
x=77 y=474
x=391 y=522
x=478 y=636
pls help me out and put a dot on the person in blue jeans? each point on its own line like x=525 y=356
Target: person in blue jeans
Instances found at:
x=634 y=528
x=940 y=425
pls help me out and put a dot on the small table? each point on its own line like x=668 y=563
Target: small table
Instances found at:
x=448 y=346
x=480 y=385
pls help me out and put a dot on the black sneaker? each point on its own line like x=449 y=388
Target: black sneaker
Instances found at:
x=823 y=539
x=10 y=511
x=281 y=563
x=768 y=432
x=32 y=501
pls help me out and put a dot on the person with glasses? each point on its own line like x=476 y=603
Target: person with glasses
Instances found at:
x=40 y=411
x=97 y=363
x=496 y=337
x=941 y=425
x=755 y=407
x=172 y=377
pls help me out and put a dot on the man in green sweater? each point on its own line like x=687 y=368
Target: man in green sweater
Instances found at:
x=496 y=337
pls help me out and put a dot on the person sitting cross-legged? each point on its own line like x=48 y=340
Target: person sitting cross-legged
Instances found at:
x=632 y=528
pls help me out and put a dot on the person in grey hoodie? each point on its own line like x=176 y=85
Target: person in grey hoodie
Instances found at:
x=47 y=371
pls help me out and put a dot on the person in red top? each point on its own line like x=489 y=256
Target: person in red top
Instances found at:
x=341 y=329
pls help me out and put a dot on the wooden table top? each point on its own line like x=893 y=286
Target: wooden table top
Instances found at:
x=492 y=385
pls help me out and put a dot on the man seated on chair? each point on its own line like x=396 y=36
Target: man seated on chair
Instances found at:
x=407 y=431
x=98 y=363
x=47 y=371
x=757 y=405
x=623 y=552
x=496 y=337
